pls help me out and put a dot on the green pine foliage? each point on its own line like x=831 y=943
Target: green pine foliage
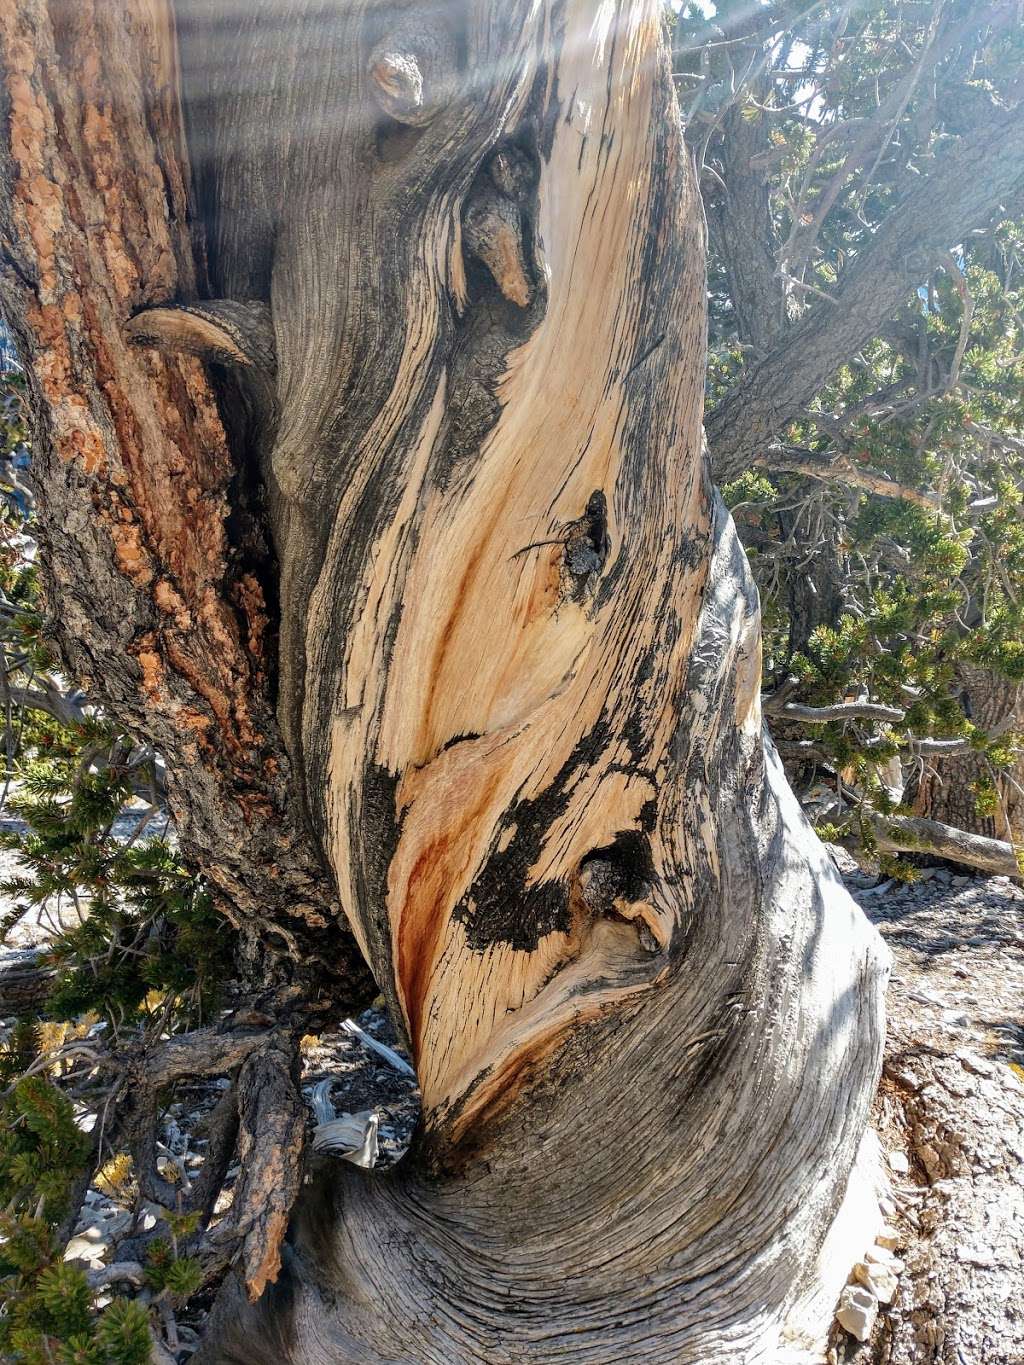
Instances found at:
x=926 y=590
x=934 y=404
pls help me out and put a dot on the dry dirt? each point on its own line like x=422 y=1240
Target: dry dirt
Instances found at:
x=951 y=1103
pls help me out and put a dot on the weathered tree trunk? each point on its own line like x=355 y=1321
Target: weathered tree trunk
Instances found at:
x=946 y=792
x=154 y=567
x=455 y=319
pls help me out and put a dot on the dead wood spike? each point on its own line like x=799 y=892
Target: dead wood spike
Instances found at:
x=492 y=231
x=220 y=330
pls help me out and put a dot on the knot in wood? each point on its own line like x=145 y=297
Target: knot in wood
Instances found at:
x=492 y=231
x=602 y=883
x=512 y=172
x=399 y=84
x=412 y=72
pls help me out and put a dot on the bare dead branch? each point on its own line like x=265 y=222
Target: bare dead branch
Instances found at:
x=844 y=710
x=841 y=470
x=270 y=1141
x=913 y=834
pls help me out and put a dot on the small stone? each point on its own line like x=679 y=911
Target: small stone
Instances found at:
x=858 y=1309
x=972 y=1062
x=924 y=997
x=878 y=1279
x=899 y=1163
x=889 y=1238
x=85 y=1249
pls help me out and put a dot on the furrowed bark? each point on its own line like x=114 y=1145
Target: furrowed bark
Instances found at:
x=25 y=982
x=149 y=542
x=518 y=679
x=742 y=231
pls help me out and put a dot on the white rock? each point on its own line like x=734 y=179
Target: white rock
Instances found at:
x=899 y=1163
x=889 y=1238
x=921 y=997
x=878 y=1279
x=858 y=1309
x=85 y=1249
x=979 y=1065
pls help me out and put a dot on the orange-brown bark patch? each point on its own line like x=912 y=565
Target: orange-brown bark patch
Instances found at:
x=170 y=601
x=268 y=1267
x=132 y=557
x=252 y=603
x=428 y=902
x=152 y=672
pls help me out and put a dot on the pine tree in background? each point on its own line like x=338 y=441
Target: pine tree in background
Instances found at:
x=867 y=367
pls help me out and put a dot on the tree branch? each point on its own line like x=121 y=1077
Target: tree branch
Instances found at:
x=205 y=1052
x=270 y=1141
x=740 y=224
x=844 y=710
x=965 y=189
x=912 y=834
x=789 y=460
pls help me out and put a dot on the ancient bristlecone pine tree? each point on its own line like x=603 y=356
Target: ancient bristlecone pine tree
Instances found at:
x=500 y=666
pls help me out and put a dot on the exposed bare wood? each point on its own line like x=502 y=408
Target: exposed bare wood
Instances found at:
x=223 y=331
x=913 y=834
x=518 y=677
x=520 y=671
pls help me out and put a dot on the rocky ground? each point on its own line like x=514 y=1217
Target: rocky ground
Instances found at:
x=950 y=1115
x=945 y=1286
